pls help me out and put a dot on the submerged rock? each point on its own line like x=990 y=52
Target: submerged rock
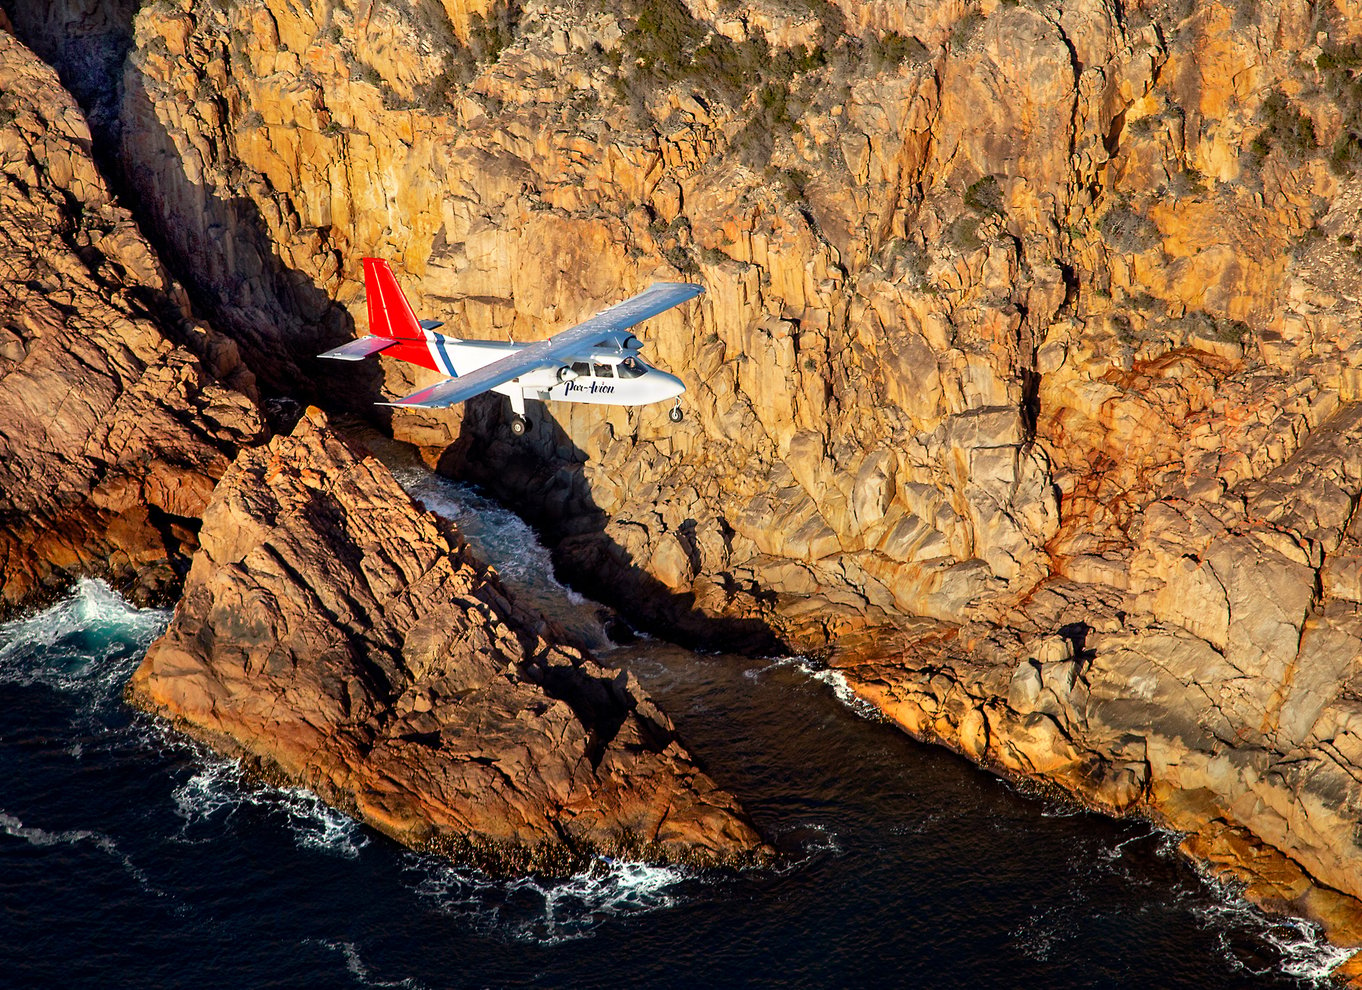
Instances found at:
x=343 y=639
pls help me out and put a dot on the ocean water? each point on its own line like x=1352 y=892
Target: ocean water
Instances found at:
x=130 y=857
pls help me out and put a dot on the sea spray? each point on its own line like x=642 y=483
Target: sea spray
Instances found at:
x=87 y=644
x=823 y=674
x=548 y=911
x=218 y=789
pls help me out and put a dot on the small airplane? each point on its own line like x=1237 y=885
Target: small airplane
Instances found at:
x=595 y=361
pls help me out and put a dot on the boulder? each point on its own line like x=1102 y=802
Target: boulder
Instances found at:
x=338 y=637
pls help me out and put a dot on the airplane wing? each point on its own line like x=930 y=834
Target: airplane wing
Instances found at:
x=573 y=342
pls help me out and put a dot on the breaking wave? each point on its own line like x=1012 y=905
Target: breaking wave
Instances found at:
x=1259 y=944
x=823 y=674
x=1250 y=940
x=545 y=911
x=88 y=643
x=219 y=789
x=1291 y=946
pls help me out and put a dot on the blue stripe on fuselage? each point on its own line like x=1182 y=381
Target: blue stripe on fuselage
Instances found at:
x=444 y=356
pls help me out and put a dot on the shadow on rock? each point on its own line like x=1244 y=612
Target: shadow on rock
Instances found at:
x=542 y=476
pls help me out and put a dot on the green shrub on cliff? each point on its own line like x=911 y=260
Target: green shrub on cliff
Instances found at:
x=890 y=50
x=1286 y=128
x=963 y=234
x=666 y=45
x=1126 y=229
x=1341 y=66
x=489 y=34
x=985 y=196
x=965 y=29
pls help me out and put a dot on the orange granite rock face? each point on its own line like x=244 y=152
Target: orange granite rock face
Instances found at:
x=1040 y=332
x=114 y=419
x=343 y=639
x=934 y=253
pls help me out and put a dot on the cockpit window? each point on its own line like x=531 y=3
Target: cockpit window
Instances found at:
x=629 y=368
x=602 y=371
x=581 y=368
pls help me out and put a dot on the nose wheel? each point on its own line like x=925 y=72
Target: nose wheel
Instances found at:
x=675 y=414
x=519 y=426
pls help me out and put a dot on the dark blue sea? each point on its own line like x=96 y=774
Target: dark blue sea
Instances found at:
x=130 y=857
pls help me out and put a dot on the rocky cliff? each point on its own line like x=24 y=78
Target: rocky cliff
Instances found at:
x=341 y=638
x=937 y=240
x=1031 y=334
x=114 y=424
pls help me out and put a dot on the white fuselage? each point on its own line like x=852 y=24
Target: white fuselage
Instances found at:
x=604 y=375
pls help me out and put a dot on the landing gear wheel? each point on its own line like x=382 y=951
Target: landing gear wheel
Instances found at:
x=519 y=426
x=675 y=414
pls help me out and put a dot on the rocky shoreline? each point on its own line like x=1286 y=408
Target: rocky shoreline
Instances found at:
x=118 y=410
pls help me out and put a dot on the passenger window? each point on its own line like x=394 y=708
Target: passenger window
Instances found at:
x=603 y=371
x=581 y=368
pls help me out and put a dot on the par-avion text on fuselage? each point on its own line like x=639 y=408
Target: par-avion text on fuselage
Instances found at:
x=595 y=361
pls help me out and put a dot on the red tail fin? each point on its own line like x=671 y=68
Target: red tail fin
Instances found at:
x=390 y=315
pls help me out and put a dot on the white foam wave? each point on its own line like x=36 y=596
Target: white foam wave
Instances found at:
x=1289 y=946
x=1113 y=853
x=806 y=842
x=210 y=798
x=509 y=544
x=362 y=974
x=40 y=837
x=1297 y=948
x=498 y=534
x=544 y=911
x=87 y=643
x=823 y=674
x=818 y=838
x=841 y=689
x=779 y=663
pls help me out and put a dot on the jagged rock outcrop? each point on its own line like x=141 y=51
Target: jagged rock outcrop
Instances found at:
x=341 y=638
x=114 y=424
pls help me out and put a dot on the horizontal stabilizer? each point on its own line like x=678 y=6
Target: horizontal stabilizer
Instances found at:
x=358 y=349
x=431 y=324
